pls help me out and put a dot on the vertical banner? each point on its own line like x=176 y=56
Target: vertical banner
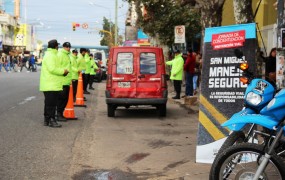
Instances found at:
x=222 y=93
x=280 y=61
x=20 y=35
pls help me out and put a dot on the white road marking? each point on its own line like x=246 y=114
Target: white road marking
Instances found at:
x=27 y=100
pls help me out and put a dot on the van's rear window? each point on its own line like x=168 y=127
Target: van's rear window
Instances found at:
x=147 y=63
x=125 y=63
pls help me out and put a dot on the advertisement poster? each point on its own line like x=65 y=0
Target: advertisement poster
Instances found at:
x=222 y=93
x=280 y=70
x=143 y=39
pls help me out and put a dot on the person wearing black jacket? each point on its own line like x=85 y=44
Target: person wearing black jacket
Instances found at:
x=270 y=67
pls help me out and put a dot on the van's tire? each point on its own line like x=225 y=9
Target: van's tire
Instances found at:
x=111 y=110
x=162 y=110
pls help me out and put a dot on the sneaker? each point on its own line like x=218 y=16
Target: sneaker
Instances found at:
x=91 y=88
x=175 y=97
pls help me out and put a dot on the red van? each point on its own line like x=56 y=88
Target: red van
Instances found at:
x=136 y=76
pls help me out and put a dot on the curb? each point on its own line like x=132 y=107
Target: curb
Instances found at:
x=193 y=109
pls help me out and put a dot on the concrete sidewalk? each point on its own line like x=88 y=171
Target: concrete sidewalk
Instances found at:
x=189 y=103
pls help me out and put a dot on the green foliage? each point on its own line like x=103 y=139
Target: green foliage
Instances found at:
x=107 y=39
x=108 y=34
x=163 y=15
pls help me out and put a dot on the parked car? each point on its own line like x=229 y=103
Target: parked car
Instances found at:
x=136 y=76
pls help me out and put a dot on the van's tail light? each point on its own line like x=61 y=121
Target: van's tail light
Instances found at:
x=163 y=81
x=109 y=80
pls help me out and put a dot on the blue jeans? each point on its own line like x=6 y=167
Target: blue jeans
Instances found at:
x=195 y=78
x=189 y=84
x=0 y=67
x=6 y=66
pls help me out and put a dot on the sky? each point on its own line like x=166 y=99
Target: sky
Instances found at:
x=54 y=18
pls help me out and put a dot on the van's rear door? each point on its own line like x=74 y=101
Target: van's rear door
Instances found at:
x=149 y=73
x=123 y=73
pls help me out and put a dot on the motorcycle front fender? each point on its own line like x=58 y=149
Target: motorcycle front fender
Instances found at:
x=237 y=122
x=243 y=112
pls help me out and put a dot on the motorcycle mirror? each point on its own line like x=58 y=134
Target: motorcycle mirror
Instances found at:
x=243 y=66
x=244 y=80
x=238 y=53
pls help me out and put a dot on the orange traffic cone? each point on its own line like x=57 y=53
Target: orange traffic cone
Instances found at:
x=69 y=109
x=79 y=95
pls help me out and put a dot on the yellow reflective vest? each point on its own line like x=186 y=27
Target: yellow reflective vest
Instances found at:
x=63 y=56
x=51 y=72
x=176 y=67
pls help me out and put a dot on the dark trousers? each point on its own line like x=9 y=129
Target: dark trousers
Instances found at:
x=50 y=103
x=62 y=100
x=189 y=84
x=23 y=64
x=74 y=86
x=86 y=78
x=91 y=80
x=177 y=87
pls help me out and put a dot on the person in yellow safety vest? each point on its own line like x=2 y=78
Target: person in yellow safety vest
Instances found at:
x=63 y=56
x=87 y=72
x=75 y=72
x=176 y=72
x=51 y=82
x=94 y=67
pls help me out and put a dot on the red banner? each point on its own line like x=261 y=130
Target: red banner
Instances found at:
x=228 y=40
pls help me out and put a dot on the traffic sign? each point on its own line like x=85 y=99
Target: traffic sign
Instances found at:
x=85 y=26
x=179 y=32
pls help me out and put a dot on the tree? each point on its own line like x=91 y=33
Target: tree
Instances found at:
x=163 y=15
x=108 y=34
x=211 y=11
x=243 y=11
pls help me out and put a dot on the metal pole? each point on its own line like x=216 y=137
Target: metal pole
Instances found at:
x=116 y=23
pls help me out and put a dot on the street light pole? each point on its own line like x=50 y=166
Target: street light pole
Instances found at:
x=116 y=22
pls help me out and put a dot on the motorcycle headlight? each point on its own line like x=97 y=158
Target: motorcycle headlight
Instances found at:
x=253 y=98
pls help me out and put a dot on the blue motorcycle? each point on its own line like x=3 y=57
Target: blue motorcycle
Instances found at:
x=255 y=161
x=249 y=160
x=258 y=94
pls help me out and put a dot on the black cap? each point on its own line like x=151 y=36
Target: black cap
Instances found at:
x=82 y=49
x=53 y=43
x=66 y=44
x=74 y=51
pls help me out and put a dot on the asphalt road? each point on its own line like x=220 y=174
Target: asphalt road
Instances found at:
x=136 y=144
